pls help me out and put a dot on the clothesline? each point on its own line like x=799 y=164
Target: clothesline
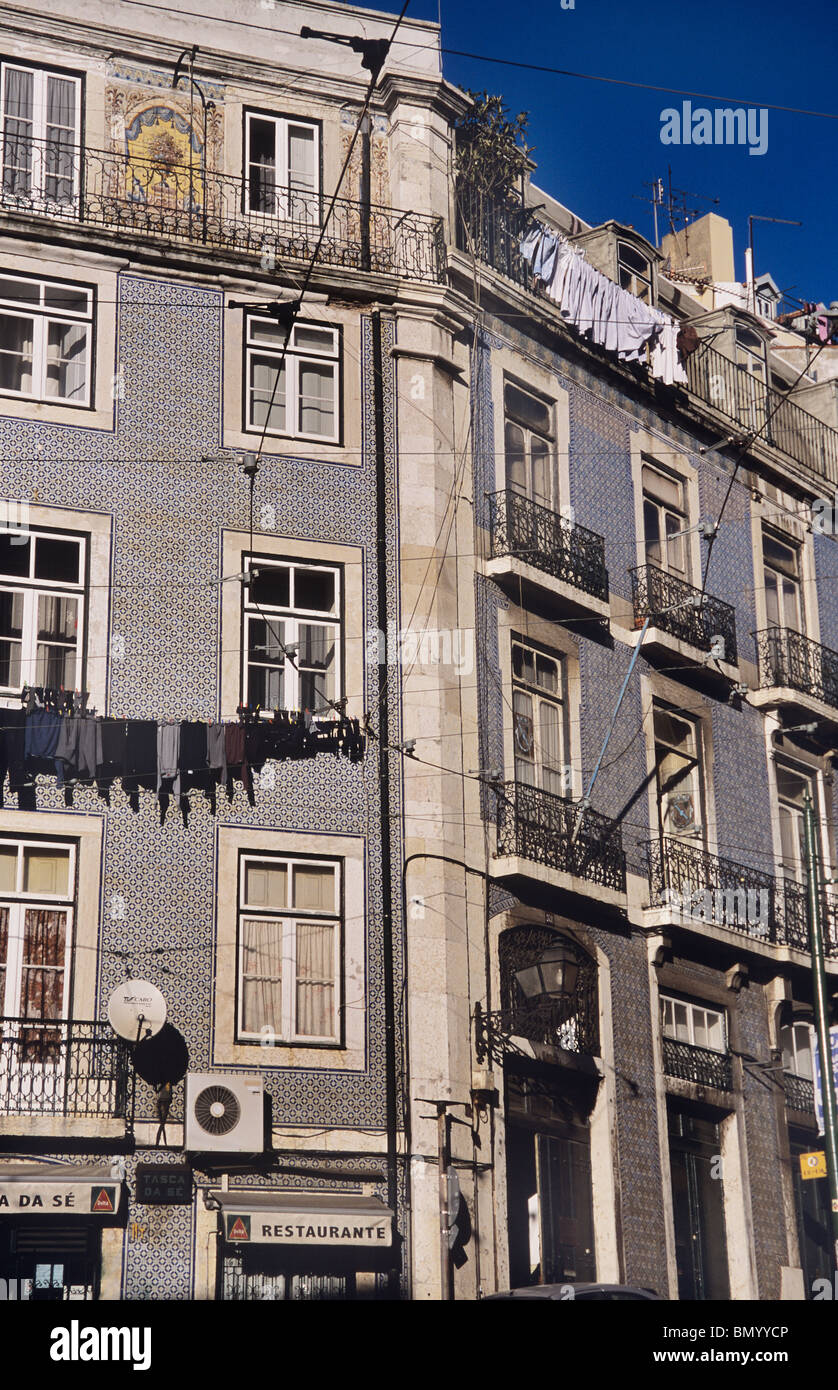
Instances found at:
x=598 y=308
x=170 y=757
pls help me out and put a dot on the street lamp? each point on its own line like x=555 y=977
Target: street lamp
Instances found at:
x=553 y=976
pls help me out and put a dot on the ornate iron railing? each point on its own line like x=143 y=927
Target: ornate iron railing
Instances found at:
x=542 y=538
x=710 y=890
x=788 y=658
x=800 y=1093
x=160 y=197
x=70 y=1068
x=654 y=591
x=538 y=825
x=698 y=1064
x=741 y=397
x=491 y=230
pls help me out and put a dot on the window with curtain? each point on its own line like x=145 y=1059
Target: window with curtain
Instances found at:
x=37 y=885
x=42 y=609
x=41 y=136
x=291 y=611
x=282 y=167
x=538 y=719
x=530 y=445
x=46 y=340
x=289 y=931
x=665 y=521
x=300 y=394
x=678 y=773
x=781 y=570
x=794 y=784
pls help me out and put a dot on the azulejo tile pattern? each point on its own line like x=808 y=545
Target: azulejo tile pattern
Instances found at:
x=160 y=473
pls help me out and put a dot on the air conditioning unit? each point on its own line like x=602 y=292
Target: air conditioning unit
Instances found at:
x=224 y=1114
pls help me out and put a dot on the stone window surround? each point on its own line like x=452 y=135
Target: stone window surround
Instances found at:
x=350 y=1052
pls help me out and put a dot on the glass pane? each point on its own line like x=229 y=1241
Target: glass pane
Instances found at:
x=542 y=472
x=674 y=732
x=547 y=673
x=67 y=299
x=314 y=887
x=791 y=605
x=317 y=399
x=58 y=617
x=57 y=560
x=262 y=166
x=16 y=353
x=316 y=663
x=56 y=666
x=266 y=640
x=516 y=463
x=715 y=1032
x=527 y=409
x=772 y=601
x=314 y=590
x=675 y=548
x=661 y=488
x=523 y=728
x=271 y=586
x=46 y=871
x=779 y=556
x=302 y=168
x=20 y=291
x=681 y=1021
x=314 y=339
x=315 y=979
x=263 y=375
x=668 y=1020
x=266 y=686
x=266 y=885
x=67 y=361
x=8 y=872
x=261 y=965
x=15 y=554
x=523 y=664
x=791 y=786
x=551 y=747
x=652 y=533
x=700 y=1028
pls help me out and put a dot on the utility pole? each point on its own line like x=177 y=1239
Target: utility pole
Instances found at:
x=822 y=1013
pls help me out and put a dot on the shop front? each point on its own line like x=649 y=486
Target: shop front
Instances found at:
x=301 y=1246
x=51 y=1223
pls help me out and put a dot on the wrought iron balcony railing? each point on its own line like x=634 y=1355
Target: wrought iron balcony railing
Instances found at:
x=569 y=1024
x=64 y=1068
x=539 y=826
x=741 y=397
x=710 y=890
x=654 y=591
x=800 y=1093
x=491 y=229
x=698 y=1064
x=789 y=659
x=160 y=197
x=540 y=537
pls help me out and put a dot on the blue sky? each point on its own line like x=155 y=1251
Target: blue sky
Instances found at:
x=596 y=144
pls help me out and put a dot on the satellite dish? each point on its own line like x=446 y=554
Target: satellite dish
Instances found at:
x=163 y=1058
x=136 y=1010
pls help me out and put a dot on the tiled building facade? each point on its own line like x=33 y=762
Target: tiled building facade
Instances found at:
x=506 y=991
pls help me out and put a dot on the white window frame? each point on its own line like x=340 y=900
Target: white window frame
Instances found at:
x=296 y=204
x=529 y=434
x=32 y=590
x=19 y=902
x=295 y=357
x=692 y=783
x=668 y=1003
x=549 y=779
x=793 y=583
x=36 y=195
x=41 y=317
x=673 y=521
x=287 y=920
x=635 y=277
x=292 y=619
x=792 y=1045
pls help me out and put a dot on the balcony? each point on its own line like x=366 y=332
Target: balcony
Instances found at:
x=141 y=197
x=536 y=842
x=800 y=1093
x=684 y=623
x=709 y=893
x=700 y=1065
x=535 y=548
x=749 y=403
x=492 y=230
x=798 y=675
x=67 y=1069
